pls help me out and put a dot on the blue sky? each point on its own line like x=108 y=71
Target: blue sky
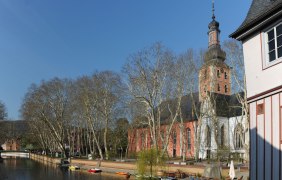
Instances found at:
x=42 y=39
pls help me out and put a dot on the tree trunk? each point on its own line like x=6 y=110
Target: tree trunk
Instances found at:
x=105 y=140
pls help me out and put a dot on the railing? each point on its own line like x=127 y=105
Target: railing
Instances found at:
x=14 y=154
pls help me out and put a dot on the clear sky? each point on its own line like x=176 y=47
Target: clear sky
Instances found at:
x=42 y=39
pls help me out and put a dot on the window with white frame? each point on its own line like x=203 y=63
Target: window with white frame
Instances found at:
x=273 y=46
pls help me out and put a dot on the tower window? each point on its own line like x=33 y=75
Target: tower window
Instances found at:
x=205 y=88
x=218 y=87
x=225 y=75
x=218 y=73
x=226 y=88
x=205 y=74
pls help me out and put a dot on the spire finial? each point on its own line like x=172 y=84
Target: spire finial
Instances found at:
x=213 y=17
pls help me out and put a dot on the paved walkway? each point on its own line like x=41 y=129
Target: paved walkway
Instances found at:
x=130 y=167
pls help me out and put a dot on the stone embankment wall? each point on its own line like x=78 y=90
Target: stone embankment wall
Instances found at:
x=111 y=166
x=44 y=159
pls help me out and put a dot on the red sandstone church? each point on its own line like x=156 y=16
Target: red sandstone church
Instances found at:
x=214 y=101
x=140 y=139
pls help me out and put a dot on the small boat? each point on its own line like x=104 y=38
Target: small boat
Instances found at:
x=126 y=174
x=95 y=170
x=122 y=173
x=74 y=167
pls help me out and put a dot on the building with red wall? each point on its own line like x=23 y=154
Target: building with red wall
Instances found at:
x=139 y=139
x=222 y=125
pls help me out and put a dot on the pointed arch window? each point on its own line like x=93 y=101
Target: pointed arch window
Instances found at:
x=174 y=139
x=218 y=87
x=222 y=139
x=208 y=135
x=239 y=137
x=189 y=139
x=142 y=140
x=162 y=139
x=225 y=75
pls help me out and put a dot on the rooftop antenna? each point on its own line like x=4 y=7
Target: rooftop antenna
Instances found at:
x=213 y=17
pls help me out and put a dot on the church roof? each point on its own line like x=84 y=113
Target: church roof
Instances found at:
x=226 y=106
x=259 y=10
x=186 y=107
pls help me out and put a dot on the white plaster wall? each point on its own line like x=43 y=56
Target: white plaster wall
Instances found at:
x=233 y=122
x=203 y=147
x=259 y=80
x=230 y=125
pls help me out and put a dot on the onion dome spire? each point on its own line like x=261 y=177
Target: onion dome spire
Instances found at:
x=214 y=52
x=213 y=16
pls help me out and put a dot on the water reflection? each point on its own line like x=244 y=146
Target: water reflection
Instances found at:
x=27 y=169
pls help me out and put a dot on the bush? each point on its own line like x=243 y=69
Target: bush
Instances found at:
x=149 y=162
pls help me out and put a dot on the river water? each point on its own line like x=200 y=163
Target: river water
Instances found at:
x=27 y=169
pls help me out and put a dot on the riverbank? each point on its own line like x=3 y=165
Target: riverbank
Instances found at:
x=130 y=167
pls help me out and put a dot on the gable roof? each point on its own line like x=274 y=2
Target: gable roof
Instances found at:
x=226 y=106
x=258 y=12
x=186 y=107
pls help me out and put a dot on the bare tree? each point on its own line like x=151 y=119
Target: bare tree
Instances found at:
x=48 y=103
x=97 y=100
x=3 y=111
x=156 y=82
x=86 y=102
x=235 y=58
x=185 y=74
x=109 y=93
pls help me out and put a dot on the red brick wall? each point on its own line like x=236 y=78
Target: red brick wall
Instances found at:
x=137 y=143
x=209 y=80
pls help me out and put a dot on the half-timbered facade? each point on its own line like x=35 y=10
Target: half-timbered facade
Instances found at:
x=261 y=35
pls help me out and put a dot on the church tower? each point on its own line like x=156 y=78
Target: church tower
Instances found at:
x=214 y=75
